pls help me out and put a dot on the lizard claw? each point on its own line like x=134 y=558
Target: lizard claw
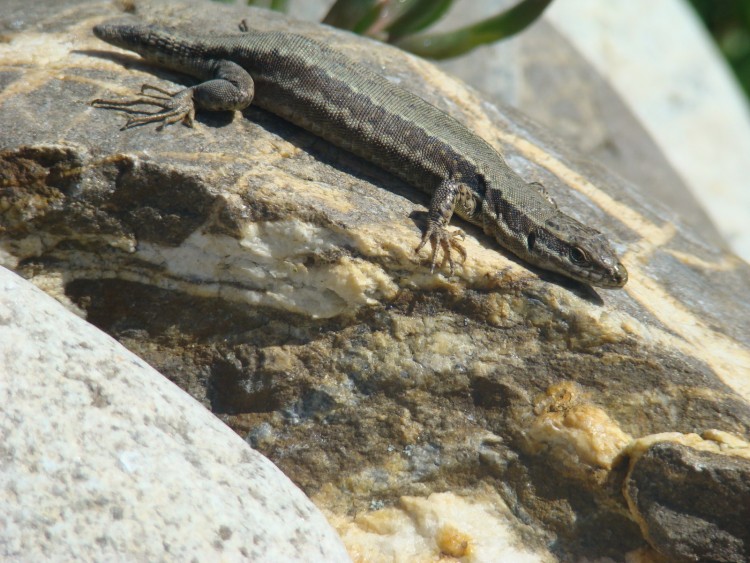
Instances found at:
x=439 y=236
x=174 y=107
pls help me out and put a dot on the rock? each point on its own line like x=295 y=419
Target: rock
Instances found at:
x=691 y=496
x=104 y=459
x=575 y=430
x=587 y=72
x=688 y=100
x=273 y=277
x=441 y=526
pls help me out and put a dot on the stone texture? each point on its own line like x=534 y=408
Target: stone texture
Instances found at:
x=101 y=458
x=443 y=526
x=691 y=497
x=272 y=277
x=546 y=72
x=688 y=100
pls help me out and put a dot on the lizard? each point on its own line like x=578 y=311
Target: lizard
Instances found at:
x=319 y=89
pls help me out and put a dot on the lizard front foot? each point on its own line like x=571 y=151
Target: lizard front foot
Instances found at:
x=175 y=107
x=439 y=236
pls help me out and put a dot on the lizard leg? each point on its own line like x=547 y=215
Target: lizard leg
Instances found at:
x=232 y=88
x=441 y=209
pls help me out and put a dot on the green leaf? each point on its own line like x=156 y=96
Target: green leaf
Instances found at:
x=460 y=41
x=419 y=15
x=355 y=15
x=391 y=11
x=276 y=5
x=280 y=5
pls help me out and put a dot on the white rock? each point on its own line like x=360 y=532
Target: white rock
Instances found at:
x=443 y=526
x=660 y=59
x=102 y=458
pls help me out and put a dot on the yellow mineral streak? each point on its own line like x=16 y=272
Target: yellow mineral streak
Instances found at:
x=729 y=359
x=572 y=427
x=440 y=527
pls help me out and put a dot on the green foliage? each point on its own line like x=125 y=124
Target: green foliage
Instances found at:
x=460 y=41
x=400 y=21
x=421 y=15
x=386 y=19
x=729 y=22
x=277 y=5
x=354 y=15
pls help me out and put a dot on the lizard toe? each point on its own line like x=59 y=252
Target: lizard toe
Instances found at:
x=441 y=239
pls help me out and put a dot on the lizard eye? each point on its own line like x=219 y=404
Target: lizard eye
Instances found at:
x=578 y=256
x=531 y=241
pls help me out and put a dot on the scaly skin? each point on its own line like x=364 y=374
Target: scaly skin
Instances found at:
x=321 y=91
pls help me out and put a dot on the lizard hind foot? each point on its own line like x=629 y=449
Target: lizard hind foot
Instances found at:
x=161 y=93
x=447 y=241
x=174 y=107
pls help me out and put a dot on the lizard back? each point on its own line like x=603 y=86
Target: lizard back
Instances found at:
x=320 y=90
x=358 y=110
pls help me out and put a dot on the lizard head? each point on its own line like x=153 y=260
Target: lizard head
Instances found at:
x=564 y=245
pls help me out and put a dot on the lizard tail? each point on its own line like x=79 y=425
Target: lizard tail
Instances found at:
x=161 y=45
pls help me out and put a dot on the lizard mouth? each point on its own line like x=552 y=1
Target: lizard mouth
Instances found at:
x=615 y=278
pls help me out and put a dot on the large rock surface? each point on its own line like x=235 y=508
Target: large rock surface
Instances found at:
x=691 y=495
x=547 y=73
x=689 y=100
x=103 y=459
x=272 y=276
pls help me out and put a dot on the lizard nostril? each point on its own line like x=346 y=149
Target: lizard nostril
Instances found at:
x=620 y=274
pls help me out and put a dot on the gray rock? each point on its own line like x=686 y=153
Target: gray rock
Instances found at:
x=692 y=504
x=104 y=459
x=543 y=73
x=272 y=277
